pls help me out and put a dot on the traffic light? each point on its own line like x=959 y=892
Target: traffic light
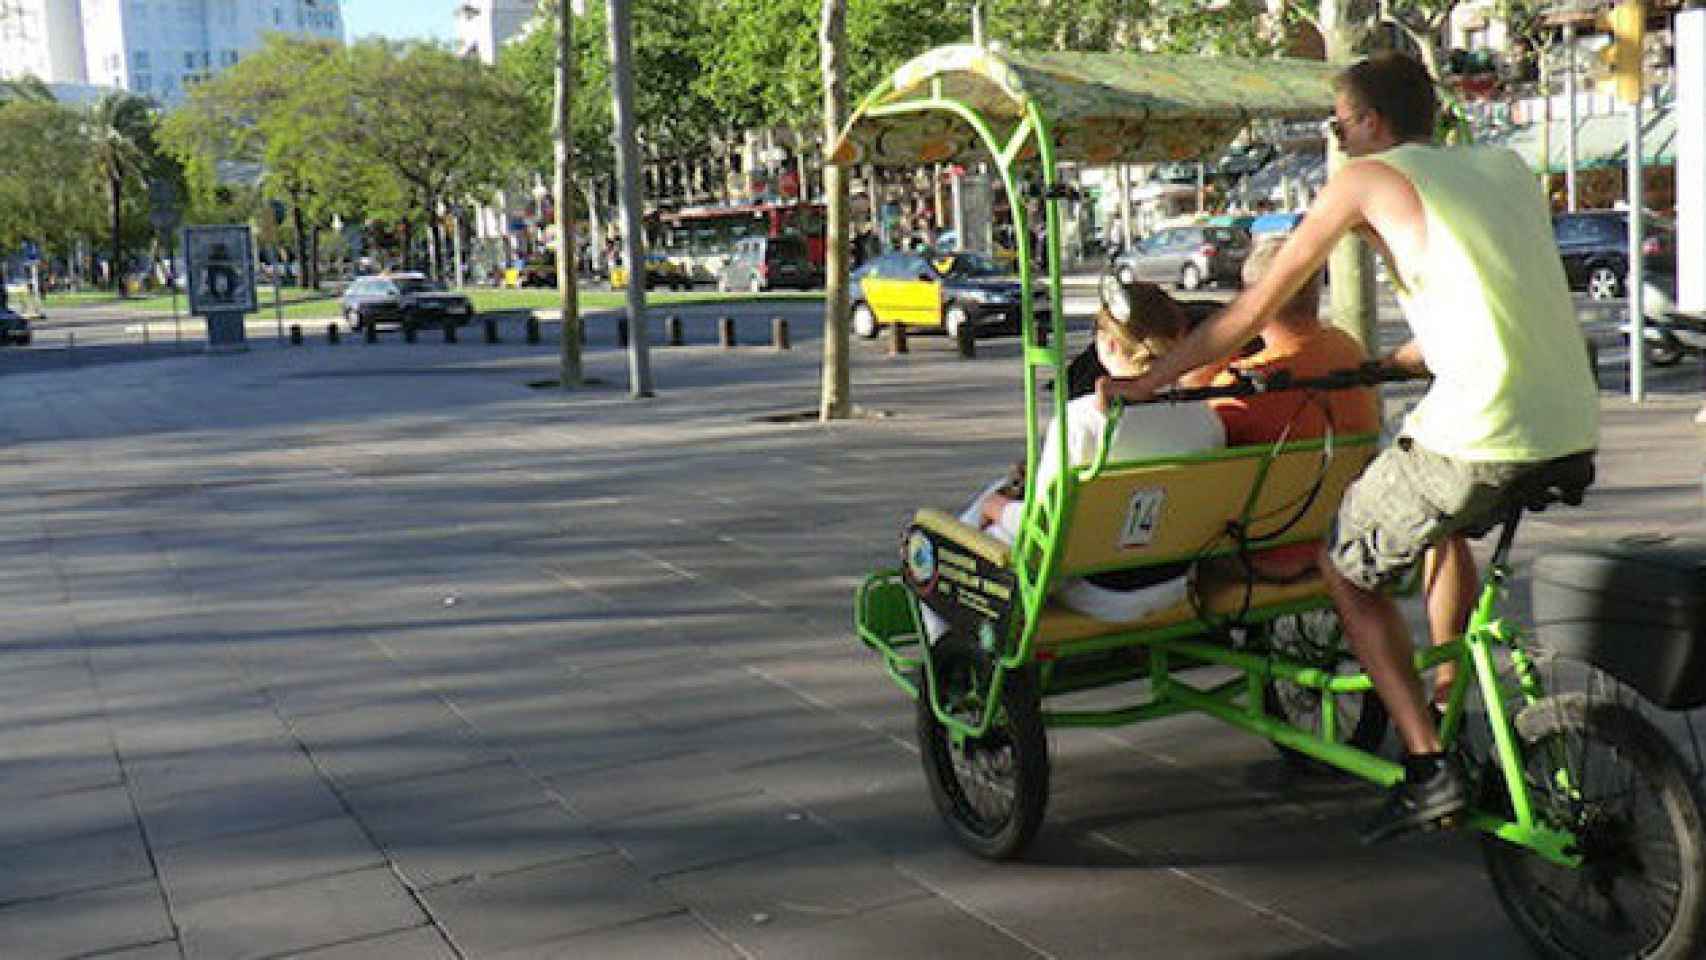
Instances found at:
x=1627 y=24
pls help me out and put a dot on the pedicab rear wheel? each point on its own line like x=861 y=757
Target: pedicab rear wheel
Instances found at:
x=1600 y=769
x=992 y=790
x=1316 y=638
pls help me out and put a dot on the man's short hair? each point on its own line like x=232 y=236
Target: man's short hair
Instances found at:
x=1306 y=302
x=1398 y=88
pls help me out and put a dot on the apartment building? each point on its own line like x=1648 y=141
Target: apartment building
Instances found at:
x=151 y=47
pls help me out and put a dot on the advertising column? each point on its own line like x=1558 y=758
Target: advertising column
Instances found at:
x=219 y=262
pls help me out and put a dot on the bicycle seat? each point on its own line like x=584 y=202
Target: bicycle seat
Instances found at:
x=1563 y=480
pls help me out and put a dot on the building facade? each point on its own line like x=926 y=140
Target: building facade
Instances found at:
x=482 y=26
x=151 y=47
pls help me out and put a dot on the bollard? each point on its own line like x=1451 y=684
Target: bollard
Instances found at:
x=409 y=332
x=491 y=330
x=726 y=332
x=966 y=340
x=672 y=330
x=622 y=332
x=532 y=329
x=449 y=330
x=332 y=334
x=296 y=334
x=897 y=339
x=370 y=332
x=779 y=332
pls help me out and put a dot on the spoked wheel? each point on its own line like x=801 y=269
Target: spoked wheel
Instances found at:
x=1315 y=638
x=1599 y=769
x=991 y=790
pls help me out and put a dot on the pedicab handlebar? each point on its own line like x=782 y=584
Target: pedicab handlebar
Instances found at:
x=1250 y=382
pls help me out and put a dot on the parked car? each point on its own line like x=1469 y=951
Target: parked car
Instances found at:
x=661 y=271
x=947 y=293
x=1189 y=256
x=14 y=329
x=1594 y=245
x=765 y=263
x=403 y=299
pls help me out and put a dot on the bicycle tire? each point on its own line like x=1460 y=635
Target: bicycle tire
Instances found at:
x=1014 y=753
x=1620 y=903
x=1362 y=718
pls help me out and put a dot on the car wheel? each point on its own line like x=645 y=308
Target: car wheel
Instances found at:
x=954 y=319
x=864 y=321
x=1604 y=283
x=1190 y=278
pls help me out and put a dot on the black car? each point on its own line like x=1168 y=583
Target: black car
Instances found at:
x=14 y=329
x=403 y=299
x=1594 y=245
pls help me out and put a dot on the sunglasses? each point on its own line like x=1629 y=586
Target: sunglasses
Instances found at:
x=1336 y=127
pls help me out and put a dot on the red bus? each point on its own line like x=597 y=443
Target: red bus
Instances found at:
x=701 y=239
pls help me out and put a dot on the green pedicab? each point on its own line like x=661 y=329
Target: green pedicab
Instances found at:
x=1589 y=822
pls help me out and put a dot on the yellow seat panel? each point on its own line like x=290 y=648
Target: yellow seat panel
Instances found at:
x=1060 y=625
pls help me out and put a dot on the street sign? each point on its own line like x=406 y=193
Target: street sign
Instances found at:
x=219 y=262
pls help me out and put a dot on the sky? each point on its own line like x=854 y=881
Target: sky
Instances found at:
x=400 y=19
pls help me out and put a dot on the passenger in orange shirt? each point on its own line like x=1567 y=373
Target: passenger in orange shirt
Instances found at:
x=1294 y=340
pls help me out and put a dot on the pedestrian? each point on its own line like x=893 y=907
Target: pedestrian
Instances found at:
x=1466 y=233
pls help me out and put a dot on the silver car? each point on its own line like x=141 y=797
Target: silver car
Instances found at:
x=1188 y=256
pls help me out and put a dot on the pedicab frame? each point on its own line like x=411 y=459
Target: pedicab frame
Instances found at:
x=1014 y=109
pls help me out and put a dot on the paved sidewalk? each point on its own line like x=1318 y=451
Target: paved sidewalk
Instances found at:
x=374 y=651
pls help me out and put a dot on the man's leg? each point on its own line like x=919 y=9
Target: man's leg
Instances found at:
x=1448 y=579
x=1380 y=639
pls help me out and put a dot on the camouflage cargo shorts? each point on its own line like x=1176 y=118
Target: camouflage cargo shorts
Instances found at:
x=1407 y=500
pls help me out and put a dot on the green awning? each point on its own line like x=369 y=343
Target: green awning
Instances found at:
x=1602 y=140
x=1099 y=107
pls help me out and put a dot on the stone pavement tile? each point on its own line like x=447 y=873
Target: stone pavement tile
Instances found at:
x=214 y=868
x=169 y=774
x=194 y=725
x=719 y=831
x=758 y=902
x=408 y=808
x=421 y=943
x=835 y=777
x=263 y=803
x=75 y=863
x=298 y=916
x=493 y=845
x=929 y=927
x=537 y=906
x=677 y=936
x=613 y=740
x=46 y=769
x=648 y=786
x=156 y=951
x=97 y=810
x=355 y=761
x=792 y=732
x=114 y=917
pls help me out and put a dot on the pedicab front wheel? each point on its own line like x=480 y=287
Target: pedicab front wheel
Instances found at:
x=1316 y=638
x=991 y=790
x=1599 y=769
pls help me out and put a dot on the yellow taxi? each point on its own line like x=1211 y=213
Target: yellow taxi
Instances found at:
x=661 y=271
x=944 y=292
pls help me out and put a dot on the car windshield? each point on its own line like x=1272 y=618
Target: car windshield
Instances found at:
x=974 y=265
x=409 y=285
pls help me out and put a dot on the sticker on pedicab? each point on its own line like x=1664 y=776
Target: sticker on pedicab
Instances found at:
x=1142 y=517
x=960 y=584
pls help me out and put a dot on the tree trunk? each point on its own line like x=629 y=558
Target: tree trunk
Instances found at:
x=115 y=195
x=408 y=244
x=835 y=402
x=313 y=264
x=569 y=373
x=1351 y=264
x=303 y=264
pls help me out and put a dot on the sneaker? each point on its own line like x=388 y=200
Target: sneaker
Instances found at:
x=1417 y=806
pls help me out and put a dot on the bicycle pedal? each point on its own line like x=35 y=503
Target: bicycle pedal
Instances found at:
x=1450 y=821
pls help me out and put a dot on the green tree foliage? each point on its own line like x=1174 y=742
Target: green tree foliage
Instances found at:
x=47 y=195
x=120 y=132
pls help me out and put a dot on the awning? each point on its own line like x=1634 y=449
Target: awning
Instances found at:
x=1602 y=140
x=1099 y=107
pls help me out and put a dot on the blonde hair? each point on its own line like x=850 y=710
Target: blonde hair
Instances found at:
x=1306 y=302
x=1157 y=322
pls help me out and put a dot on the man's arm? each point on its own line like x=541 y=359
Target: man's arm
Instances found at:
x=1336 y=211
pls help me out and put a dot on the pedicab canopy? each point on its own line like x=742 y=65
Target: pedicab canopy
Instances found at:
x=1096 y=107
